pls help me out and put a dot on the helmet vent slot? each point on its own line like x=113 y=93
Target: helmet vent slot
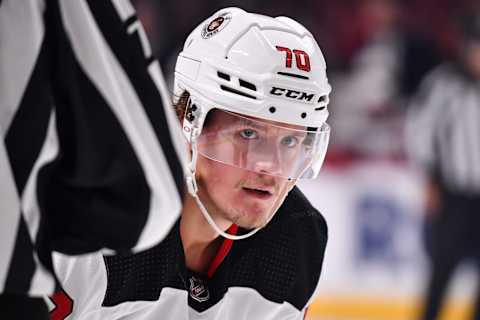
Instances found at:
x=247 y=85
x=223 y=76
x=234 y=91
x=293 y=75
x=320 y=108
x=322 y=98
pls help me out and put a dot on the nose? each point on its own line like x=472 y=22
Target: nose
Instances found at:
x=267 y=161
x=268 y=167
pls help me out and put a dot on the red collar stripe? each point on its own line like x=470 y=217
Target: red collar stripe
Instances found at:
x=222 y=251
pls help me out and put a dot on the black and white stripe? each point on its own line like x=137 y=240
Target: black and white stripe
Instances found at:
x=95 y=152
x=24 y=100
x=16 y=247
x=443 y=128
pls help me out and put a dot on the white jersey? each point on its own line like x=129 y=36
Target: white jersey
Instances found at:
x=272 y=275
x=89 y=143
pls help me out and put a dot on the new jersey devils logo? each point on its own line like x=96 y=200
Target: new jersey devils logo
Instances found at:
x=216 y=25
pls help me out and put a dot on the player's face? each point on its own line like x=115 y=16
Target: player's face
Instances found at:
x=235 y=195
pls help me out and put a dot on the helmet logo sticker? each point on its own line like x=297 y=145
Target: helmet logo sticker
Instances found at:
x=216 y=25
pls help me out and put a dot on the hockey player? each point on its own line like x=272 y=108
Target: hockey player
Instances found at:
x=252 y=96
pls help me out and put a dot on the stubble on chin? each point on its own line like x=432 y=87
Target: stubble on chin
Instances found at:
x=242 y=218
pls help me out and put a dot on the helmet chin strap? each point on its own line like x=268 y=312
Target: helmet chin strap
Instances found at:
x=193 y=190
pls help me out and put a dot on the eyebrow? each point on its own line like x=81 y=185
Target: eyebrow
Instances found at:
x=251 y=123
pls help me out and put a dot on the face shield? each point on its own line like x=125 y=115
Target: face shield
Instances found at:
x=262 y=146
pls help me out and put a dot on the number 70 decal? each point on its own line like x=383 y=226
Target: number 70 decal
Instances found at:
x=302 y=60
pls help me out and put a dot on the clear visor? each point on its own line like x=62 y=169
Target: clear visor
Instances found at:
x=263 y=146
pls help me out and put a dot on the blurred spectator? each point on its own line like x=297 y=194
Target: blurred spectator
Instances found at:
x=368 y=98
x=443 y=135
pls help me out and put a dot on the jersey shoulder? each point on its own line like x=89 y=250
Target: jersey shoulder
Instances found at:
x=283 y=261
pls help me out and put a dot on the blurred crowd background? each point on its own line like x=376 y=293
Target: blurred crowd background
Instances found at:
x=377 y=52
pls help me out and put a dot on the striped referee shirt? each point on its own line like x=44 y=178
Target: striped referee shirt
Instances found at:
x=91 y=156
x=443 y=128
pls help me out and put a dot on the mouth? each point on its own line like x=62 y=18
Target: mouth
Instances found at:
x=259 y=192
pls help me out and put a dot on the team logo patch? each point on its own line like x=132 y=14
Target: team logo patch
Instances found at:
x=216 y=25
x=198 y=290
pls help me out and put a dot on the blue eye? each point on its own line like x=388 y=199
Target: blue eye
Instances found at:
x=289 y=141
x=248 y=134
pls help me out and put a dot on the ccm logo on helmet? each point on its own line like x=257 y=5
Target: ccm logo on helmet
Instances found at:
x=293 y=94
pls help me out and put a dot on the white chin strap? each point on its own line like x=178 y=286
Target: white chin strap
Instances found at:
x=193 y=189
